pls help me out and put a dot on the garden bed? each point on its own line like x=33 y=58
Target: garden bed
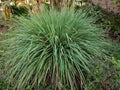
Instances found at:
x=48 y=44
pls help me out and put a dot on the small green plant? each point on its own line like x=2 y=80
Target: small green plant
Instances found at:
x=53 y=49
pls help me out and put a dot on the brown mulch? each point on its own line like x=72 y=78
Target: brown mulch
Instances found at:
x=3 y=28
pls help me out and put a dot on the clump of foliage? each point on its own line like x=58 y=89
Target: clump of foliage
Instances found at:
x=54 y=49
x=19 y=10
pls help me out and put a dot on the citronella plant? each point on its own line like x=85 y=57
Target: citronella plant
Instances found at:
x=54 y=49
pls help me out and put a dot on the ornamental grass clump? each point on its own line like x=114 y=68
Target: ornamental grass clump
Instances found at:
x=53 y=49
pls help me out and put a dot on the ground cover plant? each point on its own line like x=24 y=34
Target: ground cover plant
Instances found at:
x=54 y=49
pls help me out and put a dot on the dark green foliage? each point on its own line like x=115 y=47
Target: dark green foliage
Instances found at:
x=3 y=0
x=116 y=52
x=19 y=10
x=3 y=84
x=118 y=1
x=54 y=49
x=47 y=6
